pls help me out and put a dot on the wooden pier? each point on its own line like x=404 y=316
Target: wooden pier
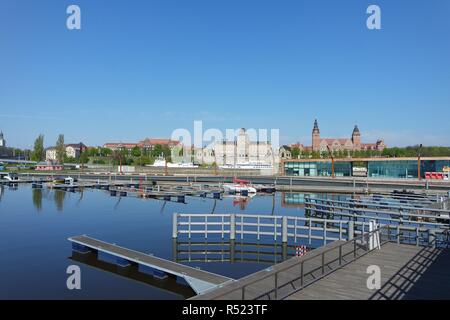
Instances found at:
x=339 y=270
x=199 y=280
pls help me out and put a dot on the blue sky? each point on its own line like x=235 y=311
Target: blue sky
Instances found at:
x=144 y=68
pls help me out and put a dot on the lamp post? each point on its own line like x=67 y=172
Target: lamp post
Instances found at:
x=332 y=161
x=419 y=176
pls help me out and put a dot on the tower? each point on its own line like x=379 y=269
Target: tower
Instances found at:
x=356 y=138
x=316 y=137
x=2 y=140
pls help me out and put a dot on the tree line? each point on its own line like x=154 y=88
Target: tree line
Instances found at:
x=395 y=152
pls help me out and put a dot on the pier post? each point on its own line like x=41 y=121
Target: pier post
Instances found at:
x=174 y=250
x=284 y=251
x=351 y=230
x=232 y=250
x=284 y=230
x=232 y=226
x=432 y=238
x=175 y=226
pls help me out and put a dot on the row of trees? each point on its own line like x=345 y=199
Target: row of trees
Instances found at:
x=410 y=151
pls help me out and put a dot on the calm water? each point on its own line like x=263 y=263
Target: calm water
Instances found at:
x=35 y=252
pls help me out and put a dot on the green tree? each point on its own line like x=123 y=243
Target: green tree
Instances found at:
x=136 y=151
x=157 y=151
x=38 y=153
x=60 y=149
x=84 y=158
x=295 y=152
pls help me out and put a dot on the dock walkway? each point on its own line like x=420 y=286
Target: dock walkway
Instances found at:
x=200 y=281
x=407 y=272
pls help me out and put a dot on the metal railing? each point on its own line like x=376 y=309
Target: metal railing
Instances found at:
x=302 y=274
x=284 y=228
x=332 y=208
x=305 y=272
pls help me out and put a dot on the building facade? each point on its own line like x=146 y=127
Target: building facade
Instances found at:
x=240 y=151
x=367 y=167
x=353 y=143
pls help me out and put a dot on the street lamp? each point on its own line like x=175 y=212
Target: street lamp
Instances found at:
x=332 y=161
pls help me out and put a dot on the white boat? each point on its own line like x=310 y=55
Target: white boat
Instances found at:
x=11 y=177
x=239 y=186
x=160 y=162
x=253 y=165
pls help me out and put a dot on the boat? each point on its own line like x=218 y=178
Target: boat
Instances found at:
x=161 y=162
x=242 y=187
x=12 y=177
x=252 y=165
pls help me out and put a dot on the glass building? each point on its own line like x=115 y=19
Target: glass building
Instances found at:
x=377 y=167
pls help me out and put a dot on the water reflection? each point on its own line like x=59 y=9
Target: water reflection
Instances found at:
x=59 y=197
x=132 y=272
x=2 y=190
x=231 y=251
x=37 y=199
x=297 y=200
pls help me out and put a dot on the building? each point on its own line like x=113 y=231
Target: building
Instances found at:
x=149 y=144
x=342 y=144
x=73 y=150
x=50 y=154
x=48 y=166
x=118 y=146
x=238 y=151
x=366 y=167
x=2 y=140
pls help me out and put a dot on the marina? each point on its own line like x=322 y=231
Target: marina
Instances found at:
x=332 y=234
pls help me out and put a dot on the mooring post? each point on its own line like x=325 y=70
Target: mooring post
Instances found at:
x=175 y=226
x=284 y=230
x=232 y=226
x=432 y=237
x=351 y=230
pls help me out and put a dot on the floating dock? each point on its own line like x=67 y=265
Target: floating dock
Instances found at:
x=200 y=281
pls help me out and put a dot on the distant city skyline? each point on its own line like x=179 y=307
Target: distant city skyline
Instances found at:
x=142 y=69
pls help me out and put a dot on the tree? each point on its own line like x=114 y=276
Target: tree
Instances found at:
x=38 y=153
x=84 y=158
x=295 y=152
x=136 y=151
x=60 y=149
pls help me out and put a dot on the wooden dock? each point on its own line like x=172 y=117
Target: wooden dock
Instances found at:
x=407 y=272
x=338 y=271
x=199 y=280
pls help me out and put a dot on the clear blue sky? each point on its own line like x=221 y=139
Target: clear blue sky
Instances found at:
x=144 y=68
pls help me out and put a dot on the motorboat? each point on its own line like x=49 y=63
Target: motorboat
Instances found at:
x=12 y=177
x=242 y=187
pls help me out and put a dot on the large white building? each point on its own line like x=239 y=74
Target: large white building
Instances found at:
x=240 y=151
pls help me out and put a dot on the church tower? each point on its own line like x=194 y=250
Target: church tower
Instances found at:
x=2 y=140
x=356 y=139
x=316 y=137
